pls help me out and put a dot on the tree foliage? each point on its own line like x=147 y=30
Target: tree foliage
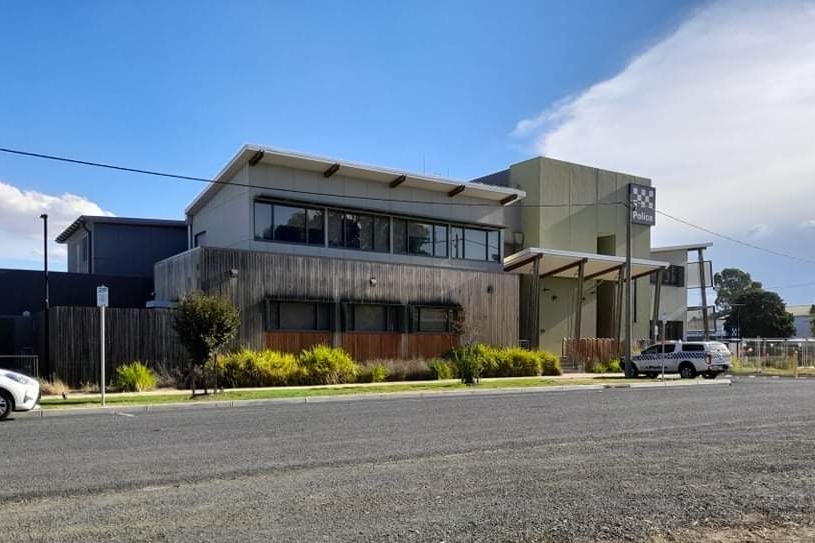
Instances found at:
x=205 y=325
x=812 y=320
x=730 y=283
x=761 y=314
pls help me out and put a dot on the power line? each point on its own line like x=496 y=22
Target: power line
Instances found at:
x=735 y=240
x=373 y=198
x=277 y=189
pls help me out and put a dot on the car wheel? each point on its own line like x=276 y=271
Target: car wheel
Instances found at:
x=710 y=375
x=634 y=371
x=652 y=375
x=6 y=404
x=687 y=371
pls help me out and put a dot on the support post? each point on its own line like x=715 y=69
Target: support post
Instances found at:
x=534 y=338
x=629 y=367
x=578 y=315
x=655 y=319
x=46 y=362
x=618 y=306
x=703 y=283
x=102 y=350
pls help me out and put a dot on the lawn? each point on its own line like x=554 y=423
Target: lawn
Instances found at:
x=158 y=398
x=803 y=372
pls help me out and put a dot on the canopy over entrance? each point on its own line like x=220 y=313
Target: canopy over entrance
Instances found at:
x=541 y=263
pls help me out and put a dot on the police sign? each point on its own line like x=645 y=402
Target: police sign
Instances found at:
x=643 y=202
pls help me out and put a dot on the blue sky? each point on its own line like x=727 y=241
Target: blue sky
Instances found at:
x=441 y=87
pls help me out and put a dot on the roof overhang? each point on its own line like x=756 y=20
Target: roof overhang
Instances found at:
x=104 y=219
x=678 y=248
x=564 y=264
x=328 y=167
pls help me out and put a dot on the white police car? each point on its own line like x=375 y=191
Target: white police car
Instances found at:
x=17 y=393
x=688 y=359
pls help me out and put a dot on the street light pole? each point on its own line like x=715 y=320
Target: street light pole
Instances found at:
x=47 y=340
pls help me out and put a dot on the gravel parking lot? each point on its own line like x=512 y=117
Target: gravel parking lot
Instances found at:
x=680 y=464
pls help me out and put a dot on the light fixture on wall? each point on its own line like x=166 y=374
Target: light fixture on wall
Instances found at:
x=233 y=273
x=373 y=281
x=490 y=289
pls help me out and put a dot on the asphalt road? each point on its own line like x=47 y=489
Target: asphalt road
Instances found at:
x=679 y=464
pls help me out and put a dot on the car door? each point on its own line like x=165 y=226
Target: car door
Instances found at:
x=669 y=358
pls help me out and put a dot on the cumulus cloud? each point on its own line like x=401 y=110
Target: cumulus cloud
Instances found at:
x=720 y=114
x=21 y=227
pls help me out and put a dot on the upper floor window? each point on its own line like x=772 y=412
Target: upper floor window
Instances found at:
x=358 y=231
x=292 y=224
x=474 y=244
x=419 y=238
x=674 y=276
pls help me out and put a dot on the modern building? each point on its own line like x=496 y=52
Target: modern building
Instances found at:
x=121 y=246
x=384 y=263
x=568 y=243
x=803 y=318
x=686 y=297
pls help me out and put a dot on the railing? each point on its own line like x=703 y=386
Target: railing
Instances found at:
x=22 y=363
x=777 y=354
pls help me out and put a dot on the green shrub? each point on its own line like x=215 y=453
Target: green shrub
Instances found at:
x=248 y=368
x=469 y=362
x=134 y=377
x=412 y=369
x=550 y=363
x=516 y=362
x=441 y=370
x=612 y=366
x=324 y=365
x=372 y=373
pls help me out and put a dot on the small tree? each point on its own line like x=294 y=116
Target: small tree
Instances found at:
x=763 y=314
x=205 y=325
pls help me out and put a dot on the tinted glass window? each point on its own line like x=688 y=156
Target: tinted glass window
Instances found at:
x=334 y=229
x=420 y=239
x=263 y=221
x=315 y=227
x=289 y=223
x=370 y=318
x=651 y=350
x=440 y=240
x=297 y=316
x=399 y=236
x=352 y=231
x=457 y=242
x=494 y=246
x=475 y=244
x=433 y=319
x=382 y=232
x=366 y=232
x=692 y=347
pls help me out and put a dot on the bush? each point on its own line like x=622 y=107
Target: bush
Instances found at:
x=469 y=362
x=52 y=387
x=612 y=366
x=134 y=377
x=550 y=363
x=324 y=365
x=413 y=369
x=373 y=373
x=441 y=370
x=248 y=368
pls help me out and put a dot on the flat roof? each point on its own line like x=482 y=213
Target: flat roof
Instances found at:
x=300 y=161
x=563 y=264
x=102 y=219
x=677 y=248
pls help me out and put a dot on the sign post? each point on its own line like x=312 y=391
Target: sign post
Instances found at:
x=641 y=210
x=102 y=303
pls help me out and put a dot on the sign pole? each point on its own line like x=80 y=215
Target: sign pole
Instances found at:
x=102 y=303
x=629 y=367
x=640 y=209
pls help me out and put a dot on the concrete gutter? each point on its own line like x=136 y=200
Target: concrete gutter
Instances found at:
x=132 y=410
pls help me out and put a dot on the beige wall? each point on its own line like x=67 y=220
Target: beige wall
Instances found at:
x=673 y=304
x=576 y=208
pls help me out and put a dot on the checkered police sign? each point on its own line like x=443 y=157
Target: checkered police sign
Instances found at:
x=643 y=200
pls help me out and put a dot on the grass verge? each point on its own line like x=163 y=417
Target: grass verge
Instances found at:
x=802 y=372
x=342 y=390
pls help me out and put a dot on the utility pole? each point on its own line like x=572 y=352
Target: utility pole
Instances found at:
x=46 y=366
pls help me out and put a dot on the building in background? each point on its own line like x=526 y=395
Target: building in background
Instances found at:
x=686 y=308
x=803 y=318
x=121 y=246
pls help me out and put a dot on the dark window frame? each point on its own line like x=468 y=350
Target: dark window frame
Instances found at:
x=306 y=229
x=271 y=308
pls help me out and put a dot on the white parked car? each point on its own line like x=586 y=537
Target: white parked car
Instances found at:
x=688 y=359
x=18 y=392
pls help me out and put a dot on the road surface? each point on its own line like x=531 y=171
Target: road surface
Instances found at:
x=678 y=464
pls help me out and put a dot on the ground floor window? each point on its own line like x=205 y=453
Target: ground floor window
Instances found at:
x=433 y=319
x=373 y=317
x=302 y=316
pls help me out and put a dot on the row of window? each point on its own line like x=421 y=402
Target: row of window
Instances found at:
x=674 y=276
x=317 y=316
x=379 y=233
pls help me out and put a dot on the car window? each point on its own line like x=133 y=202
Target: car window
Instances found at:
x=692 y=347
x=668 y=348
x=650 y=350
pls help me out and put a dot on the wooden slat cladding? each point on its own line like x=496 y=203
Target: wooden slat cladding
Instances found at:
x=145 y=335
x=491 y=314
x=583 y=353
x=430 y=345
x=372 y=345
x=294 y=342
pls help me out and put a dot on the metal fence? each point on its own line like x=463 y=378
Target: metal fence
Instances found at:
x=27 y=364
x=781 y=354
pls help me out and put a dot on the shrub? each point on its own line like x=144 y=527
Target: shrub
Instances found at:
x=248 y=368
x=550 y=363
x=612 y=366
x=372 y=373
x=324 y=365
x=52 y=387
x=413 y=369
x=517 y=362
x=441 y=370
x=134 y=377
x=469 y=362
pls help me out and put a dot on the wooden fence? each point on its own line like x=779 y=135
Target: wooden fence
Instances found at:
x=582 y=354
x=146 y=335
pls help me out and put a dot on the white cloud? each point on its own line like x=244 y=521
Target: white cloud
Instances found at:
x=720 y=114
x=21 y=226
x=808 y=224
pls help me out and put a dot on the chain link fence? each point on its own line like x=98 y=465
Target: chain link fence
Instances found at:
x=772 y=355
x=27 y=364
